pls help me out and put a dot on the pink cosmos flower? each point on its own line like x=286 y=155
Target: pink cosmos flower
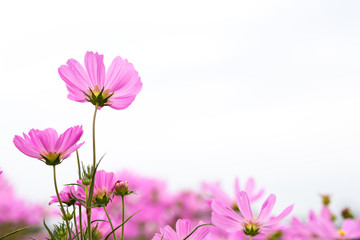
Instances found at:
x=217 y=193
x=183 y=229
x=47 y=146
x=322 y=228
x=65 y=196
x=116 y=88
x=103 y=188
x=225 y=217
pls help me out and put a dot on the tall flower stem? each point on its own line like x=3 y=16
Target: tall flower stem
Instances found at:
x=79 y=170
x=88 y=213
x=93 y=129
x=250 y=237
x=122 y=217
x=75 y=223
x=91 y=191
x=112 y=227
x=61 y=204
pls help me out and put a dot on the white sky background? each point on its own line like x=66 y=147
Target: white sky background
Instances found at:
x=268 y=89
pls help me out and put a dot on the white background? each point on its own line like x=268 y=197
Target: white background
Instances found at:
x=268 y=89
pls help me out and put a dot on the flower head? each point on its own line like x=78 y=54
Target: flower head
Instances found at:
x=103 y=188
x=116 y=88
x=66 y=196
x=225 y=217
x=47 y=146
x=217 y=193
x=183 y=229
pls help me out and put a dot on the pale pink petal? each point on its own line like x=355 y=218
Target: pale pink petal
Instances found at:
x=25 y=147
x=170 y=234
x=225 y=218
x=281 y=216
x=95 y=68
x=200 y=233
x=267 y=208
x=183 y=228
x=244 y=205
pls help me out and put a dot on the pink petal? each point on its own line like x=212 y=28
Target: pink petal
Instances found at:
x=244 y=205
x=183 y=228
x=169 y=234
x=95 y=67
x=267 y=207
x=281 y=216
x=224 y=217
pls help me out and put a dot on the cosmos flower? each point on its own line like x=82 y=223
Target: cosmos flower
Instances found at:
x=47 y=146
x=66 y=196
x=183 y=229
x=322 y=227
x=116 y=88
x=217 y=193
x=103 y=188
x=225 y=217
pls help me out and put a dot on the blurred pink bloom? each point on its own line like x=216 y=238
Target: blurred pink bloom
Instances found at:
x=322 y=228
x=14 y=210
x=225 y=217
x=47 y=146
x=65 y=196
x=116 y=88
x=183 y=229
x=217 y=193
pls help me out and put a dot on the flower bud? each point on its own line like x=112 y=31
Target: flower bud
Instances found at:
x=346 y=213
x=68 y=216
x=325 y=199
x=121 y=188
x=86 y=181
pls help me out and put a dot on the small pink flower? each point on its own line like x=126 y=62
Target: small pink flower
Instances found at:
x=183 y=229
x=225 y=217
x=103 y=188
x=116 y=88
x=66 y=196
x=47 y=146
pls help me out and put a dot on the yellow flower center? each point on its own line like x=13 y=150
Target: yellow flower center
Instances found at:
x=341 y=232
x=96 y=91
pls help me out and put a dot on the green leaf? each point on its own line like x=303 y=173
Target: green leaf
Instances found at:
x=120 y=225
x=16 y=231
x=196 y=229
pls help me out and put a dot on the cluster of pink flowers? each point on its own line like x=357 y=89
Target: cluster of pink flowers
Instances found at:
x=133 y=207
x=15 y=212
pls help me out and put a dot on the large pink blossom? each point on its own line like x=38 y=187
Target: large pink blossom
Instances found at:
x=47 y=146
x=183 y=229
x=225 y=217
x=116 y=88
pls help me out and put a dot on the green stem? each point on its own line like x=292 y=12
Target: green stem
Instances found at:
x=93 y=129
x=75 y=223
x=123 y=217
x=79 y=170
x=250 y=237
x=88 y=213
x=91 y=191
x=61 y=206
x=112 y=227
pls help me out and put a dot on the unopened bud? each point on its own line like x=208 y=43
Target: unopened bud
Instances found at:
x=325 y=199
x=67 y=216
x=122 y=188
x=346 y=213
x=86 y=181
